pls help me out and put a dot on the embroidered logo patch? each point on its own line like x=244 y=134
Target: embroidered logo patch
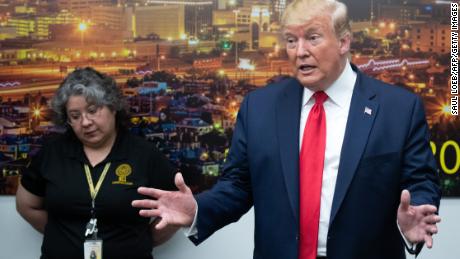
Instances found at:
x=122 y=172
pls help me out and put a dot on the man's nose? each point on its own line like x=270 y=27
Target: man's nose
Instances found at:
x=302 y=48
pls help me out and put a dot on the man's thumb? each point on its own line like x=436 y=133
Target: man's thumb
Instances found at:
x=405 y=200
x=180 y=184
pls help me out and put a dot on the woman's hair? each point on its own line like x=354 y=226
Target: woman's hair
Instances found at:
x=301 y=11
x=97 y=89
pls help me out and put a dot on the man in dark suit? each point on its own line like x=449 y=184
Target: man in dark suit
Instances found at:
x=336 y=164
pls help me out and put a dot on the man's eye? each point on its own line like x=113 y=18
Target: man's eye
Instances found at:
x=314 y=38
x=291 y=43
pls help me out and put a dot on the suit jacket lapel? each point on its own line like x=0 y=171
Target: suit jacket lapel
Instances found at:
x=363 y=111
x=287 y=122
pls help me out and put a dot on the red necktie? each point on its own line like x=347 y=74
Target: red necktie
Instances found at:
x=311 y=176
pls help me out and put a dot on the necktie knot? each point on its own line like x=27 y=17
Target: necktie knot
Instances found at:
x=320 y=97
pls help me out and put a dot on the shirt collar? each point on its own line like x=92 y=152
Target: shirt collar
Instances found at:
x=340 y=91
x=74 y=147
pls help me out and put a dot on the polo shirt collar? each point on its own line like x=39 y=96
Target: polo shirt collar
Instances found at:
x=74 y=147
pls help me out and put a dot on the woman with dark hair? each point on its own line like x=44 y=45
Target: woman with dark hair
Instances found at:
x=78 y=190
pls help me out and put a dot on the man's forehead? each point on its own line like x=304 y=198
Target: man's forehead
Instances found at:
x=309 y=26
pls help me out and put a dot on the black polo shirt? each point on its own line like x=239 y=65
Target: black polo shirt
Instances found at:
x=57 y=174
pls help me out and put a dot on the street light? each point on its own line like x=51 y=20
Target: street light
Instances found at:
x=162 y=57
x=34 y=115
x=82 y=27
x=37 y=113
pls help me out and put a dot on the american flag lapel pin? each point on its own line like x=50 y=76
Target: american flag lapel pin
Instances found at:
x=368 y=110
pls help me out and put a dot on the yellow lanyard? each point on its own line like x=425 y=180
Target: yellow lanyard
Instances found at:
x=94 y=190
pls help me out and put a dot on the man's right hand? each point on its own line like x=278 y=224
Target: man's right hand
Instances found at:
x=173 y=207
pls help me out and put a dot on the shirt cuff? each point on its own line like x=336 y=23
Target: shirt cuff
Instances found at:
x=192 y=231
x=409 y=245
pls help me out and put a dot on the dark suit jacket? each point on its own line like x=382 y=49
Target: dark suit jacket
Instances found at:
x=383 y=153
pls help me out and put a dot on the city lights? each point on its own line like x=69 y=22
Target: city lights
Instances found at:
x=36 y=112
x=445 y=109
x=82 y=26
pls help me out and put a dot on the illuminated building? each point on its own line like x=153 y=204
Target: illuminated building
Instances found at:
x=250 y=3
x=404 y=14
x=7 y=33
x=226 y=18
x=118 y=18
x=37 y=26
x=24 y=25
x=431 y=37
x=165 y=21
x=260 y=22
x=80 y=7
x=244 y=24
x=276 y=7
x=197 y=15
x=24 y=9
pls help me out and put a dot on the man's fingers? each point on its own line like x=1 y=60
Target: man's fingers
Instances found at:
x=152 y=192
x=429 y=241
x=162 y=224
x=405 y=200
x=432 y=219
x=146 y=203
x=180 y=183
x=428 y=209
x=432 y=230
x=150 y=213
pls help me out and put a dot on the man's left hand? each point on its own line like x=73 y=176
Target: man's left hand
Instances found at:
x=417 y=223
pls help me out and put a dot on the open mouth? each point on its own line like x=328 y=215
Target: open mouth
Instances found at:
x=306 y=68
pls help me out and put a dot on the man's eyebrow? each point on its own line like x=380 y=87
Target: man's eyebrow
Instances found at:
x=312 y=30
x=288 y=34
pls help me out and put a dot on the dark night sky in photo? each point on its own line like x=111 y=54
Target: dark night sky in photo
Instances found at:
x=360 y=9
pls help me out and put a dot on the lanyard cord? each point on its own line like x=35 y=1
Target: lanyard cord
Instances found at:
x=94 y=190
x=91 y=226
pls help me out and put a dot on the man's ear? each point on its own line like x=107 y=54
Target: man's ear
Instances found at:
x=345 y=42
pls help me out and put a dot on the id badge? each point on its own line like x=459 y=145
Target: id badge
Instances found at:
x=93 y=249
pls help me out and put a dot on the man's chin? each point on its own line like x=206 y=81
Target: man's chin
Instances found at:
x=308 y=81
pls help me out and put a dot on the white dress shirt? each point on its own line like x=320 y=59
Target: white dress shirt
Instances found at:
x=336 y=108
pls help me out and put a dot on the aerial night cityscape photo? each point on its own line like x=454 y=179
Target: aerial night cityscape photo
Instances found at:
x=185 y=67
